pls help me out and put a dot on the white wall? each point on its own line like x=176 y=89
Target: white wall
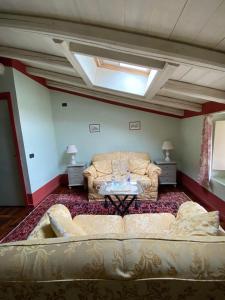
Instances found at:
x=7 y=85
x=37 y=128
x=72 y=127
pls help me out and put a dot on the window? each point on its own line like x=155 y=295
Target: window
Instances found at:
x=219 y=146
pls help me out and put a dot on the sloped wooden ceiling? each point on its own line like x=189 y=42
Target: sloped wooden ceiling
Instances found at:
x=189 y=34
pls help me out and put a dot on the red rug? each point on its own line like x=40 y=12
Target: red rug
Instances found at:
x=77 y=204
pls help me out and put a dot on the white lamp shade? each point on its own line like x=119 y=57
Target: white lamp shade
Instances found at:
x=71 y=149
x=167 y=145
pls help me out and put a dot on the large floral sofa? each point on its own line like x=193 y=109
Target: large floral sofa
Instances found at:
x=116 y=163
x=127 y=258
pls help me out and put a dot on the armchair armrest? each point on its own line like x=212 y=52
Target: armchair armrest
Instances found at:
x=90 y=172
x=153 y=170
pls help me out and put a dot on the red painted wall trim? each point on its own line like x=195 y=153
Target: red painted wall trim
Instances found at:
x=207 y=108
x=202 y=195
x=6 y=96
x=39 y=195
x=16 y=64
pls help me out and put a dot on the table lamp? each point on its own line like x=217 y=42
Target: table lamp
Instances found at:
x=72 y=149
x=167 y=146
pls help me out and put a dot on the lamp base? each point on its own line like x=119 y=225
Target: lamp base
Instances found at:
x=167 y=158
x=73 y=160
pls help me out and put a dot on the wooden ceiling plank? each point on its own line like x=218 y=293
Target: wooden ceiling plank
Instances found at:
x=31 y=56
x=194 y=17
x=56 y=76
x=85 y=91
x=176 y=103
x=120 y=41
x=197 y=91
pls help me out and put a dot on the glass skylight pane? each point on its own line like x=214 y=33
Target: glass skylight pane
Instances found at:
x=133 y=67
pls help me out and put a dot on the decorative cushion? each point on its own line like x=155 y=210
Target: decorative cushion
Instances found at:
x=190 y=209
x=201 y=224
x=138 y=166
x=62 y=223
x=120 y=167
x=103 y=167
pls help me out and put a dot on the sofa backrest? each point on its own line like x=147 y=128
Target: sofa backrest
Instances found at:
x=44 y=269
x=121 y=155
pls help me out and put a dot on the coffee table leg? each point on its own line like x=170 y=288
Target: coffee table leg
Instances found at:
x=106 y=204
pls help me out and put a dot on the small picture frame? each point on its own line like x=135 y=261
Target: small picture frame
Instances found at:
x=135 y=125
x=93 y=128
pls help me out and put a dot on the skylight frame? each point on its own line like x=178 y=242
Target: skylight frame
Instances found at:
x=101 y=64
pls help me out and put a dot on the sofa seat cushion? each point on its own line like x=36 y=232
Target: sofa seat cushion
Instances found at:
x=148 y=223
x=99 y=224
x=144 y=179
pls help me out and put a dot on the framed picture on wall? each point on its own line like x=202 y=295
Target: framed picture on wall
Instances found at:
x=135 y=125
x=93 y=128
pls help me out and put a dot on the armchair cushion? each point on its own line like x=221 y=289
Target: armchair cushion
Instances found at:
x=103 y=167
x=153 y=169
x=90 y=172
x=138 y=166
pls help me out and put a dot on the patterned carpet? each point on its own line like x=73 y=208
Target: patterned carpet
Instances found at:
x=77 y=204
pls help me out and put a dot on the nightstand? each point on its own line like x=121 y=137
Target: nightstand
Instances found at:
x=75 y=174
x=169 y=172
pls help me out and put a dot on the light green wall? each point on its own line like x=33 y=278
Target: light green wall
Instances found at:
x=37 y=128
x=72 y=127
x=190 y=145
x=190 y=149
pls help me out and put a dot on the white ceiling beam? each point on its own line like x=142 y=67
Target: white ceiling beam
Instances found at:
x=160 y=79
x=115 y=99
x=64 y=47
x=195 y=91
x=176 y=103
x=56 y=76
x=114 y=55
x=120 y=41
x=31 y=56
x=78 y=82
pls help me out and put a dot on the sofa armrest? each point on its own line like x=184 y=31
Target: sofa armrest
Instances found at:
x=90 y=172
x=153 y=170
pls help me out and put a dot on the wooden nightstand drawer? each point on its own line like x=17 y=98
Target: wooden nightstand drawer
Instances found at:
x=75 y=174
x=169 y=170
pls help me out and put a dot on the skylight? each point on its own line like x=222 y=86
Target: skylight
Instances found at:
x=134 y=67
x=116 y=75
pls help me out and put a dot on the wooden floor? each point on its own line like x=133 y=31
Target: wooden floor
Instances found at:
x=10 y=217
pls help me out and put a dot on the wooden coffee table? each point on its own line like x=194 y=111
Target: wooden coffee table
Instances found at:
x=121 y=195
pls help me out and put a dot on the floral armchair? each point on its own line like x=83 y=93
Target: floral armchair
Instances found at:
x=116 y=164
